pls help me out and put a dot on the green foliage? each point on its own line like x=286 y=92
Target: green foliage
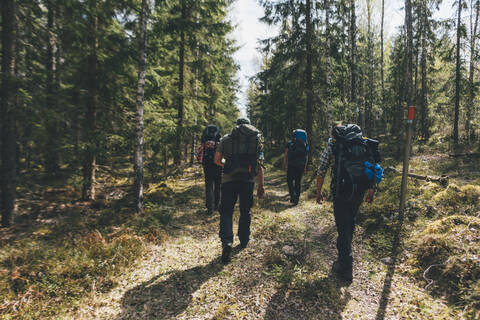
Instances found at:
x=454 y=196
x=449 y=247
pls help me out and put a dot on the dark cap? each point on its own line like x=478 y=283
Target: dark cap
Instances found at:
x=242 y=121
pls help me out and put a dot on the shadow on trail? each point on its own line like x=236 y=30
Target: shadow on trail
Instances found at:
x=320 y=299
x=387 y=285
x=170 y=297
x=275 y=202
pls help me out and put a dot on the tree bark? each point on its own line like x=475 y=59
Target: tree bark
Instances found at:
x=409 y=53
x=142 y=61
x=51 y=125
x=353 y=57
x=471 y=89
x=8 y=117
x=89 y=166
x=369 y=112
x=424 y=122
x=329 y=61
x=458 y=77
x=309 y=81
x=181 y=84
x=382 y=74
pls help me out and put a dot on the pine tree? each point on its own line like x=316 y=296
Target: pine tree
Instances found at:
x=8 y=91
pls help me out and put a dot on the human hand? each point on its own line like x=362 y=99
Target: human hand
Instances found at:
x=260 y=191
x=319 y=198
x=370 y=196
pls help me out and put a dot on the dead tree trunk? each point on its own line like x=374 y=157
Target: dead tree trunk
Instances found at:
x=142 y=61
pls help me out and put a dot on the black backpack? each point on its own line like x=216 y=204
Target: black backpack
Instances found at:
x=351 y=151
x=210 y=138
x=245 y=142
x=298 y=149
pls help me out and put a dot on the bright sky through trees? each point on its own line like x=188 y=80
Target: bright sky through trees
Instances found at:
x=245 y=15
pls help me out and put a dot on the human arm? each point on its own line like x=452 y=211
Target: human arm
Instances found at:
x=218 y=159
x=285 y=157
x=370 y=195
x=326 y=160
x=260 y=181
x=320 y=180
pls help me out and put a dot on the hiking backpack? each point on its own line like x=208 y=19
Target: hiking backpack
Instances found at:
x=356 y=158
x=298 y=149
x=210 y=138
x=243 y=161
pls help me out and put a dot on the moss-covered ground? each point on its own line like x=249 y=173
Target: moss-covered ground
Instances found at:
x=102 y=261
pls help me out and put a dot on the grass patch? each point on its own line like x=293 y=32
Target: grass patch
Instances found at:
x=448 y=252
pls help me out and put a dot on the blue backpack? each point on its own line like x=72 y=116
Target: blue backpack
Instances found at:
x=298 y=149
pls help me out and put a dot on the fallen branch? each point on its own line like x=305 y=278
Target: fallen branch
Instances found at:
x=443 y=180
x=464 y=154
x=430 y=281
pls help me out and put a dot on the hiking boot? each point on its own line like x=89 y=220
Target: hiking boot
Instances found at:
x=209 y=212
x=344 y=271
x=226 y=251
x=243 y=245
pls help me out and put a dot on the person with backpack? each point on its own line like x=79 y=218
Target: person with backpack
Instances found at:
x=241 y=155
x=213 y=173
x=355 y=172
x=295 y=162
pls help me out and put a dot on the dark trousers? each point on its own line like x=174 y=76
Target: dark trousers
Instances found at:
x=213 y=180
x=294 y=181
x=345 y=213
x=230 y=192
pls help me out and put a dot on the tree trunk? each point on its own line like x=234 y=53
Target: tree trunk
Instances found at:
x=8 y=170
x=51 y=125
x=369 y=111
x=181 y=83
x=142 y=61
x=471 y=88
x=353 y=57
x=409 y=53
x=458 y=76
x=382 y=75
x=89 y=166
x=424 y=122
x=327 y=71
x=309 y=82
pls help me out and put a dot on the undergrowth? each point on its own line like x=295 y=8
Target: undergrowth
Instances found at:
x=46 y=267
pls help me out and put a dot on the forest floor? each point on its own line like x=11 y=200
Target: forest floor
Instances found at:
x=284 y=273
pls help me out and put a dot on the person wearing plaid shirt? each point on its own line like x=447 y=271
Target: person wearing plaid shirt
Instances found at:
x=344 y=211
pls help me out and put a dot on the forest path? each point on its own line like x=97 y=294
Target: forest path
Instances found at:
x=283 y=274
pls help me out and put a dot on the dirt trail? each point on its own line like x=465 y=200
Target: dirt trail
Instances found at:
x=283 y=274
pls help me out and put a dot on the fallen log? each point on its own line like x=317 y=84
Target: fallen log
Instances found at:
x=465 y=154
x=443 y=180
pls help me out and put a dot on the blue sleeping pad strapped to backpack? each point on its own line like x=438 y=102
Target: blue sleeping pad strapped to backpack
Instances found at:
x=301 y=134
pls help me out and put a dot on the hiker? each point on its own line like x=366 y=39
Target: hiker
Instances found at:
x=213 y=173
x=355 y=172
x=242 y=152
x=295 y=162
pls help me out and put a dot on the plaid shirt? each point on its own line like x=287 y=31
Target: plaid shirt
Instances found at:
x=326 y=159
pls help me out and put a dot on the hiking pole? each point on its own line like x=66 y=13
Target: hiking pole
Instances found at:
x=406 y=159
